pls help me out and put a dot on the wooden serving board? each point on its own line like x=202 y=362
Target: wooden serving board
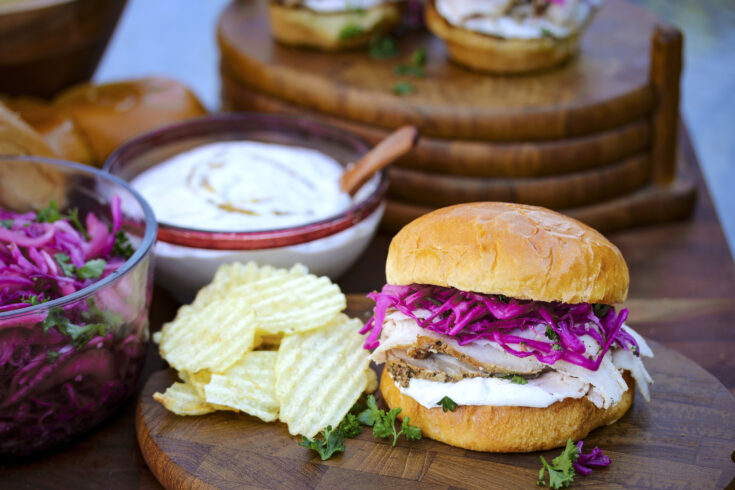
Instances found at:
x=607 y=86
x=683 y=438
x=468 y=158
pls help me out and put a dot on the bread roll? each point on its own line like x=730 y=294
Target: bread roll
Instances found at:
x=523 y=252
x=299 y=26
x=499 y=55
x=507 y=429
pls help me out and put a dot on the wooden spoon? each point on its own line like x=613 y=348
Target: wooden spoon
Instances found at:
x=394 y=146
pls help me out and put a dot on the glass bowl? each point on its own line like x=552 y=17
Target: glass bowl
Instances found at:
x=186 y=259
x=58 y=380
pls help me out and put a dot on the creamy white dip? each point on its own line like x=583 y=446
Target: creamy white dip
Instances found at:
x=244 y=186
x=492 y=17
x=540 y=392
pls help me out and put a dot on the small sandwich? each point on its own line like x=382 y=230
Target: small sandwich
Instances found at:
x=332 y=25
x=510 y=36
x=498 y=331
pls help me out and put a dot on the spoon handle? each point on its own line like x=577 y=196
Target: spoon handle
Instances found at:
x=392 y=147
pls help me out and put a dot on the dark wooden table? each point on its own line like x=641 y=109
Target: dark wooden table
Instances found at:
x=683 y=268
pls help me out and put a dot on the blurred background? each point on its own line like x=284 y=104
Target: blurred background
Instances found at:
x=152 y=35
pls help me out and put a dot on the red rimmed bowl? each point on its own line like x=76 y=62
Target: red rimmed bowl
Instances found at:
x=186 y=259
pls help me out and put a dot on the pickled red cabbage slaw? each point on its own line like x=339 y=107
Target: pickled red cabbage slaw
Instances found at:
x=63 y=369
x=468 y=317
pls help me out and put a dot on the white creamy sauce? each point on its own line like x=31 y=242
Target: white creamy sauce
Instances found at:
x=244 y=186
x=339 y=5
x=490 y=17
x=543 y=391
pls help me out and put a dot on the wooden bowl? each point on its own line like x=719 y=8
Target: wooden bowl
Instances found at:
x=48 y=45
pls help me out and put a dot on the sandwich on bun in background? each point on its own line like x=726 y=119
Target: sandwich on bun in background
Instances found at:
x=510 y=36
x=332 y=25
x=497 y=328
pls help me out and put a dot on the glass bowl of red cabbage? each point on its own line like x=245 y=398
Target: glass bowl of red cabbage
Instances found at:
x=75 y=290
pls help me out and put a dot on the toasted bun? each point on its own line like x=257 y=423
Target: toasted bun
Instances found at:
x=299 y=26
x=524 y=252
x=26 y=185
x=18 y=138
x=56 y=128
x=107 y=115
x=493 y=54
x=507 y=429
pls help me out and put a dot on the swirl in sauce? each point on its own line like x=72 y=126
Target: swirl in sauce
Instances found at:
x=244 y=186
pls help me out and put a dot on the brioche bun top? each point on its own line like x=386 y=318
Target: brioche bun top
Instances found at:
x=524 y=252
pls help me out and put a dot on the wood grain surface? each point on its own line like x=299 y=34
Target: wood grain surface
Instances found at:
x=606 y=87
x=468 y=158
x=557 y=192
x=681 y=439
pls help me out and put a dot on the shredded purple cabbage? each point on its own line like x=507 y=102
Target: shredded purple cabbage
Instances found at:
x=471 y=316
x=64 y=369
x=595 y=459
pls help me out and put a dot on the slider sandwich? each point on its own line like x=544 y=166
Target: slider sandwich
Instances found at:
x=332 y=25
x=510 y=36
x=498 y=331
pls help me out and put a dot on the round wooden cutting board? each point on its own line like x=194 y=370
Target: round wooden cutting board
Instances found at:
x=683 y=438
x=605 y=87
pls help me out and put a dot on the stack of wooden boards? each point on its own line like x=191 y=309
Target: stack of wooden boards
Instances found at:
x=596 y=138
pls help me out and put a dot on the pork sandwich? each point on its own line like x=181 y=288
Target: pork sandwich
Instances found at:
x=498 y=331
x=332 y=25
x=510 y=36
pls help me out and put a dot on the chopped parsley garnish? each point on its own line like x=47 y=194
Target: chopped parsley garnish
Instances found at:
x=122 y=247
x=515 y=378
x=561 y=469
x=362 y=413
x=551 y=334
x=410 y=70
x=384 y=423
x=447 y=404
x=557 y=347
x=50 y=214
x=634 y=350
x=80 y=334
x=92 y=269
x=418 y=58
x=383 y=47
x=6 y=223
x=546 y=33
x=403 y=88
x=64 y=262
x=600 y=310
x=502 y=298
x=350 y=426
x=330 y=442
x=52 y=356
x=350 y=31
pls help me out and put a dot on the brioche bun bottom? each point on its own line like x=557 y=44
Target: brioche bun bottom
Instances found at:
x=507 y=429
x=498 y=55
x=299 y=26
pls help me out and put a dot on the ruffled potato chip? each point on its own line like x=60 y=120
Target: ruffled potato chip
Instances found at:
x=248 y=386
x=182 y=399
x=320 y=374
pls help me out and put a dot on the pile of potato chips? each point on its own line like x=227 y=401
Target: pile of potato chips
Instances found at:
x=269 y=342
